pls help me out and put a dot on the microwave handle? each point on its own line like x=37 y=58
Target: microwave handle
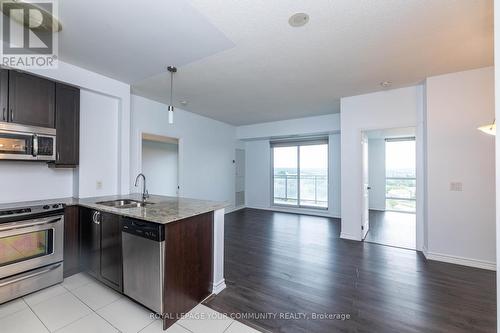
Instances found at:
x=35 y=145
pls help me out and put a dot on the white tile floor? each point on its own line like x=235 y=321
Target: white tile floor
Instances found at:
x=82 y=304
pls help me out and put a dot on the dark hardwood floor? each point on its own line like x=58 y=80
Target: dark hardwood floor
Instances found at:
x=393 y=229
x=290 y=264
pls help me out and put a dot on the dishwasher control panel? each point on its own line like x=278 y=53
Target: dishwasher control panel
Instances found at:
x=144 y=229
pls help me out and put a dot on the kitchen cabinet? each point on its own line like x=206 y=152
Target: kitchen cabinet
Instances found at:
x=4 y=95
x=102 y=247
x=71 y=241
x=67 y=126
x=111 y=250
x=31 y=100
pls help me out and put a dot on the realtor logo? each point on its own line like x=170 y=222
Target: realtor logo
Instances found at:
x=29 y=34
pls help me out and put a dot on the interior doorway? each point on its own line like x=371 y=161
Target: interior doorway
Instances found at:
x=160 y=164
x=390 y=182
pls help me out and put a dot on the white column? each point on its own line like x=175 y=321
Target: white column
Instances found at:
x=218 y=283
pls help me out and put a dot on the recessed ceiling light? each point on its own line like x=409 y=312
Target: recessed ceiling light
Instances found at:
x=183 y=102
x=386 y=84
x=298 y=20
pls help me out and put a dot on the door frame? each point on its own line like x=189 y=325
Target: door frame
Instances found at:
x=420 y=175
x=150 y=136
x=365 y=184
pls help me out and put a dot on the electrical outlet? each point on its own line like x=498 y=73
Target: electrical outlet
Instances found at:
x=456 y=186
x=98 y=185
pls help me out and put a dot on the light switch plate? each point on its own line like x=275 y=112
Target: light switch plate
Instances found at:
x=456 y=186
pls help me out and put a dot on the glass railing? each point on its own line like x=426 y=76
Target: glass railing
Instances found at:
x=313 y=190
x=400 y=194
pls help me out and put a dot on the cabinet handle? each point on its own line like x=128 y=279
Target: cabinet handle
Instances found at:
x=12 y=114
x=3 y=114
x=95 y=217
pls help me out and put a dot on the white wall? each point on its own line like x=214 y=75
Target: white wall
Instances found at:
x=461 y=225
x=99 y=148
x=497 y=150
x=160 y=164
x=376 y=170
x=258 y=158
x=382 y=110
x=25 y=181
x=206 y=149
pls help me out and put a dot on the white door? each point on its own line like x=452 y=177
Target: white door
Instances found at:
x=365 y=217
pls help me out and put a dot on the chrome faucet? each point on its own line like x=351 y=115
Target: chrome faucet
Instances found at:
x=145 y=193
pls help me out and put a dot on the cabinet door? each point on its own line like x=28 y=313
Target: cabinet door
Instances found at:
x=67 y=125
x=71 y=241
x=111 y=251
x=4 y=95
x=91 y=241
x=31 y=100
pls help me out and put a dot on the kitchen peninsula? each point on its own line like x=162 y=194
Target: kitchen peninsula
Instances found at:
x=166 y=253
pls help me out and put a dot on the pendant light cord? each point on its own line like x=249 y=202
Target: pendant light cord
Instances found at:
x=171 y=87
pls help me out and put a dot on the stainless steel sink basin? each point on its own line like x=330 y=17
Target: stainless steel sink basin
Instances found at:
x=124 y=203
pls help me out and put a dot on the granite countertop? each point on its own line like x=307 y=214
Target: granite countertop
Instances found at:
x=162 y=209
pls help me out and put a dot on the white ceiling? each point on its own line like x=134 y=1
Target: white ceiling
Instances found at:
x=133 y=40
x=241 y=63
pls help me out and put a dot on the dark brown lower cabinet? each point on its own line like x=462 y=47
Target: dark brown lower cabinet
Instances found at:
x=71 y=241
x=188 y=265
x=102 y=247
x=187 y=262
x=111 y=251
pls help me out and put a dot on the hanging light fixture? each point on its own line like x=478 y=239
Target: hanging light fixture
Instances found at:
x=172 y=70
x=490 y=129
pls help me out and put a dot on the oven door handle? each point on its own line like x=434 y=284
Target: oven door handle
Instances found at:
x=29 y=276
x=30 y=223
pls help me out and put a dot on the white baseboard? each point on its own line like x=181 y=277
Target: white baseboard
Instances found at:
x=349 y=237
x=296 y=211
x=219 y=286
x=459 y=260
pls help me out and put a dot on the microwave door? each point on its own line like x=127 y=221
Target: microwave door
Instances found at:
x=16 y=146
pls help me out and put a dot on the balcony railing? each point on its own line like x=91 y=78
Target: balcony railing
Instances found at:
x=313 y=190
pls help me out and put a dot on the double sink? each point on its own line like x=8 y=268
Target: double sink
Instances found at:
x=124 y=203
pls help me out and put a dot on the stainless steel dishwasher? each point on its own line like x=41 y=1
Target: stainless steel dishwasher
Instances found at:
x=143 y=246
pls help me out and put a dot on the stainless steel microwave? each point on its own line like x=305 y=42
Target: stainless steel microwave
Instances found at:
x=27 y=143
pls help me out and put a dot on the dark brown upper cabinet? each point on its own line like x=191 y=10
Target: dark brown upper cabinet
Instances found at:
x=31 y=100
x=67 y=126
x=4 y=95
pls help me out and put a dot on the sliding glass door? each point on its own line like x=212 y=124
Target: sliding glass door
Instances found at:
x=300 y=173
x=285 y=173
x=400 y=181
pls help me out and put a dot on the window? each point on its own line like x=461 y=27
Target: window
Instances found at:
x=300 y=173
x=400 y=181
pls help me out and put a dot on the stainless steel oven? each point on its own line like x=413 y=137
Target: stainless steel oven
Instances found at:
x=31 y=249
x=18 y=142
